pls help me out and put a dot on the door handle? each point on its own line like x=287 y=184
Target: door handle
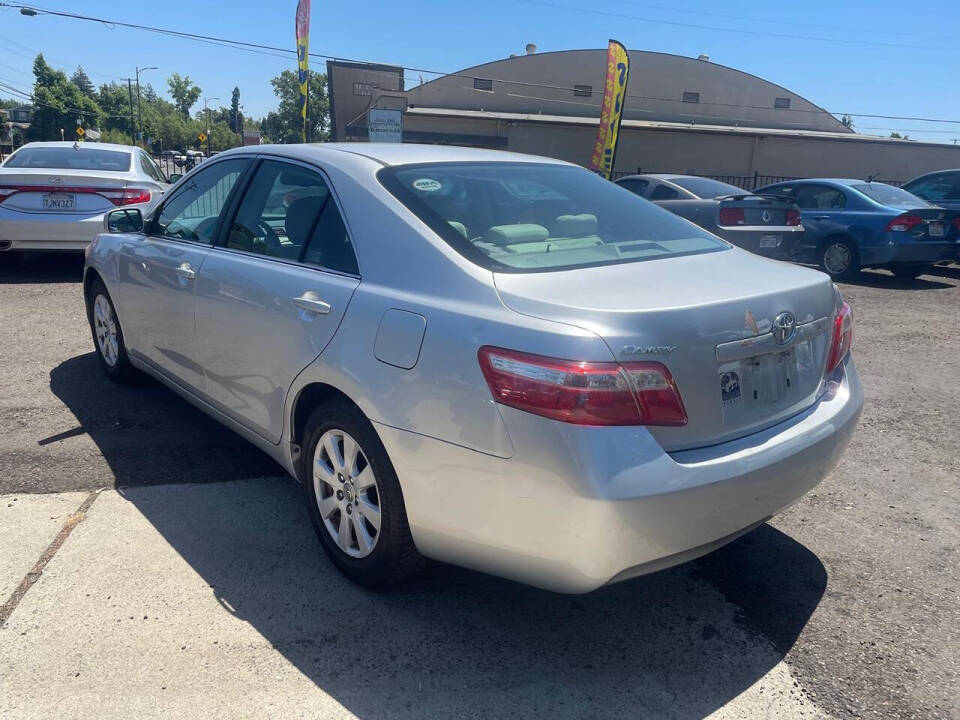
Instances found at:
x=185 y=271
x=311 y=303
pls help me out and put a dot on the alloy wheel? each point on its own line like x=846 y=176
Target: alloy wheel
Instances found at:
x=347 y=493
x=105 y=330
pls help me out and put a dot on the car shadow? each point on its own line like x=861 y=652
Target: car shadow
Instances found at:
x=34 y=268
x=680 y=643
x=886 y=280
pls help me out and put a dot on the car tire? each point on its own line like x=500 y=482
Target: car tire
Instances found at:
x=108 y=336
x=357 y=507
x=838 y=258
x=908 y=271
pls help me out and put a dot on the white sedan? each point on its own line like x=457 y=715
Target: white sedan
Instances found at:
x=53 y=195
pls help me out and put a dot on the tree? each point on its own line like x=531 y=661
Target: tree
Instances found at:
x=284 y=124
x=898 y=136
x=184 y=93
x=58 y=105
x=847 y=121
x=82 y=81
x=236 y=119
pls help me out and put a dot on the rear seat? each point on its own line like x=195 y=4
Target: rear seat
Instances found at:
x=570 y=232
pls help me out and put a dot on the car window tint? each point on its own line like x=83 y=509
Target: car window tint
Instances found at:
x=889 y=195
x=329 y=245
x=194 y=212
x=936 y=187
x=638 y=186
x=663 y=192
x=820 y=197
x=279 y=211
x=150 y=169
x=70 y=158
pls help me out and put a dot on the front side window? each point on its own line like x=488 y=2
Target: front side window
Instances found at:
x=936 y=187
x=69 y=158
x=288 y=212
x=194 y=212
x=638 y=186
x=524 y=217
x=820 y=197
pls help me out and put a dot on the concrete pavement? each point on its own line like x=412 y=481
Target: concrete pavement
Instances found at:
x=214 y=601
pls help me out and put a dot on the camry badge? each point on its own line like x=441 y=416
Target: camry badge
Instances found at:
x=784 y=328
x=648 y=349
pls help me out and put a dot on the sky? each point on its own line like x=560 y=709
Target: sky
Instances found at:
x=877 y=57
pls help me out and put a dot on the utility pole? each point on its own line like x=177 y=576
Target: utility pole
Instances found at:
x=139 y=107
x=133 y=132
x=209 y=123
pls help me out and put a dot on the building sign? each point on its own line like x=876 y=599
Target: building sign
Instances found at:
x=611 y=111
x=385 y=125
x=362 y=88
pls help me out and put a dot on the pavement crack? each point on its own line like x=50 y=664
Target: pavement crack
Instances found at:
x=37 y=570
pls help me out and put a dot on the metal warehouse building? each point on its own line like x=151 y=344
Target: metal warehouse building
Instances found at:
x=682 y=115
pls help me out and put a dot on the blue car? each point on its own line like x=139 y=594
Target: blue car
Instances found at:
x=940 y=188
x=853 y=224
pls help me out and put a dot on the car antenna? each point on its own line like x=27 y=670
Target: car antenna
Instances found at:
x=871 y=177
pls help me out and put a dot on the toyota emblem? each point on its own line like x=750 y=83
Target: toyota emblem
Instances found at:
x=784 y=328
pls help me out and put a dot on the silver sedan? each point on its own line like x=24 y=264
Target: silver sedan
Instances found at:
x=489 y=359
x=53 y=195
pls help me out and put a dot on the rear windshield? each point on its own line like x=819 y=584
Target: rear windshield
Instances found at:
x=890 y=195
x=68 y=158
x=525 y=217
x=707 y=188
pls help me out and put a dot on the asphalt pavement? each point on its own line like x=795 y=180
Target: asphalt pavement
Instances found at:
x=154 y=564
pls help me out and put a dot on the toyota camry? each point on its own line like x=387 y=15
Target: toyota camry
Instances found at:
x=499 y=361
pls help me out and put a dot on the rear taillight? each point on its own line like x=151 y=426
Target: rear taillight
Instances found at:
x=584 y=393
x=126 y=197
x=793 y=217
x=904 y=223
x=732 y=216
x=842 y=339
x=956 y=220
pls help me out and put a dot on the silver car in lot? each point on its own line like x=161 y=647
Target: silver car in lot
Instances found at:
x=494 y=360
x=53 y=195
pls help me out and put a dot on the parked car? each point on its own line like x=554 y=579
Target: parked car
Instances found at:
x=853 y=224
x=53 y=195
x=763 y=225
x=940 y=188
x=570 y=402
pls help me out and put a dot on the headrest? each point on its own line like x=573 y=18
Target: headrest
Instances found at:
x=300 y=216
x=572 y=226
x=459 y=227
x=514 y=234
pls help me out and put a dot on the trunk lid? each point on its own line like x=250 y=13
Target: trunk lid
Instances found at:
x=60 y=191
x=709 y=318
x=935 y=222
x=758 y=210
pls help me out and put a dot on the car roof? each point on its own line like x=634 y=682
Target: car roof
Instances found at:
x=80 y=145
x=393 y=153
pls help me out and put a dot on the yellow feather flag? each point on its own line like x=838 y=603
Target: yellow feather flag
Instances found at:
x=611 y=111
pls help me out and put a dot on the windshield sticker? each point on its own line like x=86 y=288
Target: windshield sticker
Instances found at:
x=426 y=185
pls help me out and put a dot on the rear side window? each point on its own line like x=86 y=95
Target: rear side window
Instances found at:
x=69 y=158
x=527 y=217
x=820 y=197
x=288 y=212
x=664 y=192
x=935 y=188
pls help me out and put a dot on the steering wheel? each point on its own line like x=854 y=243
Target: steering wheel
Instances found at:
x=270 y=237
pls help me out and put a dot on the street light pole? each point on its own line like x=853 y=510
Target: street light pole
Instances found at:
x=207 y=110
x=139 y=106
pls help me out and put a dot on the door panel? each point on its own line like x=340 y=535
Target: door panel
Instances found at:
x=259 y=323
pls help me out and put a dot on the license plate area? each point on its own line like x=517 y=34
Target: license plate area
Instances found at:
x=59 y=201
x=756 y=387
x=769 y=241
x=936 y=230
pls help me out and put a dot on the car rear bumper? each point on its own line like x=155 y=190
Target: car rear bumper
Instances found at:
x=753 y=239
x=578 y=507
x=47 y=231
x=896 y=251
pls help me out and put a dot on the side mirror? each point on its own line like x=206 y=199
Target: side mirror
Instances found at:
x=173 y=177
x=125 y=220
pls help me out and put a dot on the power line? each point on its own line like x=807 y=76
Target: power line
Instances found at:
x=286 y=52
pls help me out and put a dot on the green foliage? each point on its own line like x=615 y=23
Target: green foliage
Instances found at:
x=83 y=82
x=847 y=121
x=58 y=104
x=184 y=93
x=236 y=117
x=284 y=124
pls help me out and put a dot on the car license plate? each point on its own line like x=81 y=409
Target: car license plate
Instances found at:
x=769 y=241
x=936 y=229
x=59 y=201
